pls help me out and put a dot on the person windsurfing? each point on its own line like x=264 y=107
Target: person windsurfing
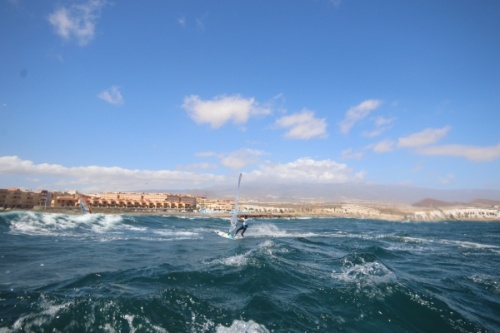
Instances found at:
x=243 y=227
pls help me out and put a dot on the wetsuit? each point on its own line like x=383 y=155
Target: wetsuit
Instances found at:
x=243 y=228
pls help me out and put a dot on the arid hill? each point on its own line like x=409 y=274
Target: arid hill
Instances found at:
x=429 y=203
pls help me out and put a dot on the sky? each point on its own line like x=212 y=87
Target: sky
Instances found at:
x=101 y=95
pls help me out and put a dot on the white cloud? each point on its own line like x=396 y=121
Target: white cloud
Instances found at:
x=473 y=153
x=423 y=138
x=383 y=146
x=237 y=159
x=449 y=178
x=307 y=170
x=222 y=109
x=382 y=121
x=349 y=153
x=206 y=154
x=357 y=113
x=101 y=178
x=198 y=166
x=77 y=21
x=182 y=21
x=303 y=125
x=112 y=95
x=382 y=124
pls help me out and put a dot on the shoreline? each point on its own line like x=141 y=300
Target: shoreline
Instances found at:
x=350 y=211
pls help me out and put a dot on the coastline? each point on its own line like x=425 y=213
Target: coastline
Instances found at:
x=385 y=212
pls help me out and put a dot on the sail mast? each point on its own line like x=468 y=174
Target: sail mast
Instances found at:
x=234 y=218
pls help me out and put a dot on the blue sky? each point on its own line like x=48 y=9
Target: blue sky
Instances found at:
x=127 y=95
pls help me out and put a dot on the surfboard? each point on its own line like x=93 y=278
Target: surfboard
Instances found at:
x=226 y=235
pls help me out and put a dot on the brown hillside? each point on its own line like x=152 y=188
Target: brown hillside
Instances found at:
x=485 y=203
x=428 y=202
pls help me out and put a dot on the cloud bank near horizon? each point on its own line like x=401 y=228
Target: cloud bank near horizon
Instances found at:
x=101 y=178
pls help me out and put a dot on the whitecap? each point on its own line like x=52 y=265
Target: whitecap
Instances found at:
x=235 y=261
x=271 y=230
x=366 y=273
x=469 y=245
x=241 y=326
x=179 y=235
x=491 y=283
x=33 y=321
x=240 y=260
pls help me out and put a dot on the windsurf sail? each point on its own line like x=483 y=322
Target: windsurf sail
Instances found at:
x=85 y=206
x=234 y=217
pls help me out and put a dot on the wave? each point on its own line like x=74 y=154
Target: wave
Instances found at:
x=242 y=326
x=49 y=224
x=105 y=227
x=164 y=274
x=365 y=274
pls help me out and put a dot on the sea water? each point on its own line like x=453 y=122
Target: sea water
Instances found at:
x=129 y=273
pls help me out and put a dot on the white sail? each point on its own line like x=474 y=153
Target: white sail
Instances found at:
x=85 y=206
x=234 y=218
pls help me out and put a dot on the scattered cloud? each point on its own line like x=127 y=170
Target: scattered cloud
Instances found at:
x=357 y=113
x=473 y=153
x=417 y=168
x=376 y=132
x=335 y=3
x=237 y=159
x=198 y=166
x=307 y=170
x=200 y=22
x=448 y=179
x=182 y=21
x=77 y=21
x=381 y=125
x=14 y=2
x=382 y=121
x=303 y=125
x=222 y=109
x=423 y=138
x=206 y=154
x=112 y=95
x=350 y=154
x=383 y=146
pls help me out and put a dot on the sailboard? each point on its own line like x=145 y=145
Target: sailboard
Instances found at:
x=85 y=206
x=227 y=234
x=234 y=217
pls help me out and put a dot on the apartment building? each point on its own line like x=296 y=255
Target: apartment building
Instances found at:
x=17 y=198
x=143 y=200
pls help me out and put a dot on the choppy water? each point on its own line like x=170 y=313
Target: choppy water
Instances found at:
x=112 y=273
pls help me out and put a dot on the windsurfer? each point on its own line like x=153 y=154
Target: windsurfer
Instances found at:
x=243 y=227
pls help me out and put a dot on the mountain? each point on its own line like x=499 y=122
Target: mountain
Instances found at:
x=429 y=203
x=485 y=202
x=335 y=193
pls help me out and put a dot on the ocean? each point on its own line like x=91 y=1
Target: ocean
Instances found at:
x=132 y=273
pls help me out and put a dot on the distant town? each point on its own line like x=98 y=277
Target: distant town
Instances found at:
x=167 y=203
